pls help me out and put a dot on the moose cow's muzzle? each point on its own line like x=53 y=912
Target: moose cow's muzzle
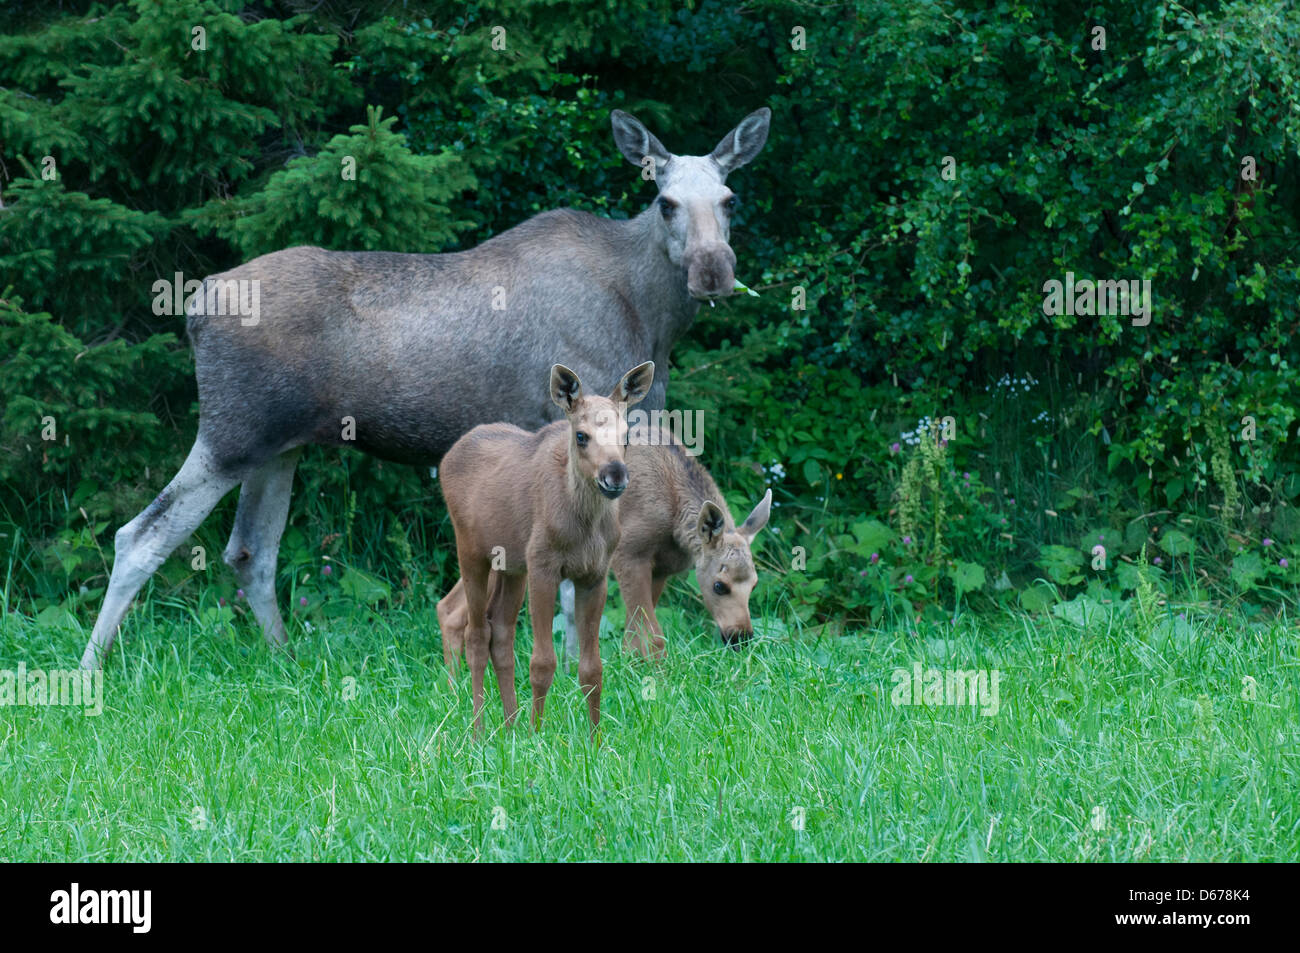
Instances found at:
x=710 y=271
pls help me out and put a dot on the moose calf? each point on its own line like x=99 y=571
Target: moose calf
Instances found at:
x=540 y=507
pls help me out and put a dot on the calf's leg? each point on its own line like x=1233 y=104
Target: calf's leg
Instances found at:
x=542 y=584
x=642 y=634
x=590 y=603
x=507 y=598
x=452 y=616
x=474 y=573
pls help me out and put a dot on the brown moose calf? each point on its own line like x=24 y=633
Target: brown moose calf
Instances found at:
x=540 y=507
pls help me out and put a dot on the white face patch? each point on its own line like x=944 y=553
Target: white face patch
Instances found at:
x=696 y=188
x=694 y=176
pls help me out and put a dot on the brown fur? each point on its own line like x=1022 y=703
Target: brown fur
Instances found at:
x=531 y=506
x=669 y=522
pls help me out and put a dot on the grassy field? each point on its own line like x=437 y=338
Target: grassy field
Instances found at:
x=1108 y=744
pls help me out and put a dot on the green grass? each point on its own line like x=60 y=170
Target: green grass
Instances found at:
x=212 y=749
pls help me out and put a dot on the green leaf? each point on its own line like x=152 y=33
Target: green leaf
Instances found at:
x=1038 y=597
x=1247 y=568
x=1128 y=574
x=364 y=588
x=872 y=537
x=57 y=617
x=967 y=577
x=1176 y=543
x=1081 y=610
x=1061 y=562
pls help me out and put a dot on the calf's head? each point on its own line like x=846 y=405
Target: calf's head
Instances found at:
x=694 y=206
x=725 y=568
x=598 y=425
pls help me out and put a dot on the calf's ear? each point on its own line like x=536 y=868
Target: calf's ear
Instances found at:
x=635 y=384
x=711 y=523
x=565 y=388
x=757 y=518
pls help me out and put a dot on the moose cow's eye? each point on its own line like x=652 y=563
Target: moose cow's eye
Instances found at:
x=721 y=588
x=730 y=204
x=582 y=438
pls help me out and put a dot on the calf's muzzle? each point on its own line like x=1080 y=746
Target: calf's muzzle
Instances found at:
x=612 y=480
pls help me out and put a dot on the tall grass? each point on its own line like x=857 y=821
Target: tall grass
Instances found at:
x=1123 y=741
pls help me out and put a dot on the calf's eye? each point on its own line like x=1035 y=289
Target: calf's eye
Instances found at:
x=721 y=588
x=582 y=438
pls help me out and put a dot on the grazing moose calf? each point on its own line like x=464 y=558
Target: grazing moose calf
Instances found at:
x=671 y=518
x=540 y=507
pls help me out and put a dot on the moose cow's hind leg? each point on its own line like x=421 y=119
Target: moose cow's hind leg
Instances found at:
x=254 y=546
x=143 y=544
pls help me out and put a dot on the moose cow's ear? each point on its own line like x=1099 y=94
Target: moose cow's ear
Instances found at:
x=636 y=142
x=743 y=143
x=757 y=518
x=565 y=388
x=635 y=384
x=711 y=523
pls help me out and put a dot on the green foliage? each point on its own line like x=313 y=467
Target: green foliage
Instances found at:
x=63 y=399
x=59 y=243
x=365 y=191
